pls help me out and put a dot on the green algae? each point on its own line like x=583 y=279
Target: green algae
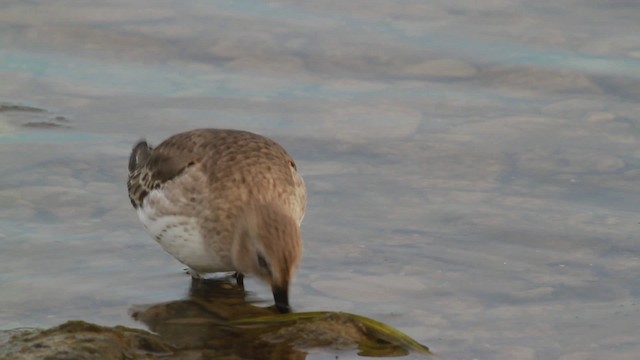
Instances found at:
x=372 y=337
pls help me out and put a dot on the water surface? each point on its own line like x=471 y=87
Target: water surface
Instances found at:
x=472 y=167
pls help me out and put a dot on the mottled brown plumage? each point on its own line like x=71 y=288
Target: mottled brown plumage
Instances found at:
x=222 y=200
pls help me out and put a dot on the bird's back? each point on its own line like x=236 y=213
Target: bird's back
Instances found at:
x=238 y=166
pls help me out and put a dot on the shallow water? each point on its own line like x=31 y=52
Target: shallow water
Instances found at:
x=472 y=168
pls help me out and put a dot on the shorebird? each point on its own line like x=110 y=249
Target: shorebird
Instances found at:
x=220 y=201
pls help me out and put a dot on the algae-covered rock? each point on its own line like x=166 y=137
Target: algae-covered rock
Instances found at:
x=81 y=340
x=333 y=330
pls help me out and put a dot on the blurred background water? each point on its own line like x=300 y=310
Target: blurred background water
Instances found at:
x=472 y=166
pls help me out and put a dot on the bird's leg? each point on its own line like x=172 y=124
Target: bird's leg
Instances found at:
x=194 y=274
x=239 y=278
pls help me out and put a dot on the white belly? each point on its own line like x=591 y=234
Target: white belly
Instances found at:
x=181 y=237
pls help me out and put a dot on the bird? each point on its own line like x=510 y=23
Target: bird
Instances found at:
x=222 y=200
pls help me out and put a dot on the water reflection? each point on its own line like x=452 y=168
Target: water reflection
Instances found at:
x=217 y=319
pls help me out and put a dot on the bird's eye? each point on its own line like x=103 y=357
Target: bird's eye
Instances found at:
x=263 y=263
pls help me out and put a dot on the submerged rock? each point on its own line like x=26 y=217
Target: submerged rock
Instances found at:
x=81 y=340
x=335 y=331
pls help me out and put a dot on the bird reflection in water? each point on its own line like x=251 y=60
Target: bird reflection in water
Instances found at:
x=217 y=320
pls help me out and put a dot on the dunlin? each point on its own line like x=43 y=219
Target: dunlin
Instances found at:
x=222 y=200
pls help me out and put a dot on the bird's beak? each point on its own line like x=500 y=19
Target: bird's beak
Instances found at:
x=281 y=297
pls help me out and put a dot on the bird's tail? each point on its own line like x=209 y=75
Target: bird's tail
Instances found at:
x=139 y=155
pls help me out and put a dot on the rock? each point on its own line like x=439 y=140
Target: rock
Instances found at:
x=81 y=340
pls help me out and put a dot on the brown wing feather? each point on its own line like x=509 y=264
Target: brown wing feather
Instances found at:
x=150 y=168
x=223 y=154
x=139 y=156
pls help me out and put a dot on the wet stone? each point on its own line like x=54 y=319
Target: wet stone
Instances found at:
x=81 y=340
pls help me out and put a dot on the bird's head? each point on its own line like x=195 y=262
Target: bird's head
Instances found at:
x=268 y=245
